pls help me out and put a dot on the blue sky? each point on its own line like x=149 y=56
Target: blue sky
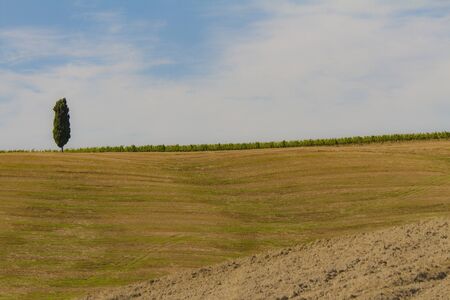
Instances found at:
x=152 y=72
x=182 y=28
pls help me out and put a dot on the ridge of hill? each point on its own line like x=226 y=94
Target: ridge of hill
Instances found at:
x=354 y=140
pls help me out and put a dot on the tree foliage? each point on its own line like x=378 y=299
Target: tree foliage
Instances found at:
x=61 y=123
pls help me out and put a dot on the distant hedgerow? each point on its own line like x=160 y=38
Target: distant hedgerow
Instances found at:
x=356 y=140
x=264 y=145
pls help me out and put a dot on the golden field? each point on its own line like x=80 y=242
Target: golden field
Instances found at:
x=71 y=223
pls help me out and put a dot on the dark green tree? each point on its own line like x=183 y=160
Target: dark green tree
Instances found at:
x=61 y=123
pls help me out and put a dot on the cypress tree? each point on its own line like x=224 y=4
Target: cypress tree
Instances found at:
x=61 y=123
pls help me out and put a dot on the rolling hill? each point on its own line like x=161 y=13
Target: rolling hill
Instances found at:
x=74 y=223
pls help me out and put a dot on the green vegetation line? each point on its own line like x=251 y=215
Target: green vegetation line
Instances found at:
x=262 y=145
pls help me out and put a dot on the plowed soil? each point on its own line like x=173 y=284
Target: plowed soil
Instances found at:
x=404 y=262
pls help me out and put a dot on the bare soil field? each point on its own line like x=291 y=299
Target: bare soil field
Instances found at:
x=403 y=262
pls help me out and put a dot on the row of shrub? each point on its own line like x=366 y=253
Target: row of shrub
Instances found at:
x=263 y=145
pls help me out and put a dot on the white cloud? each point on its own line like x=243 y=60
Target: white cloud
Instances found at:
x=326 y=68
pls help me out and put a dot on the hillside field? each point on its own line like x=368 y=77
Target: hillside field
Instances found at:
x=401 y=262
x=72 y=223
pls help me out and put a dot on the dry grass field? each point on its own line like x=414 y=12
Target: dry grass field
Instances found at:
x=71 y=223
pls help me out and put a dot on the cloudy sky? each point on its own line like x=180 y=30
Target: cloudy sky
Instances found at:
x=153 y=72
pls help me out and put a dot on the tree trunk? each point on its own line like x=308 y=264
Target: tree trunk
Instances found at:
x=62 y=149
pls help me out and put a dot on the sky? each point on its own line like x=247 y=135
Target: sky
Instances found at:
x=189 y=71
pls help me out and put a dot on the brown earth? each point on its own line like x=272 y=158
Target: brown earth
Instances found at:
x=404 y=262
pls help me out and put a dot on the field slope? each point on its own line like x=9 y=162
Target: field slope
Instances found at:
x=75 y=222
x=404 y=262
